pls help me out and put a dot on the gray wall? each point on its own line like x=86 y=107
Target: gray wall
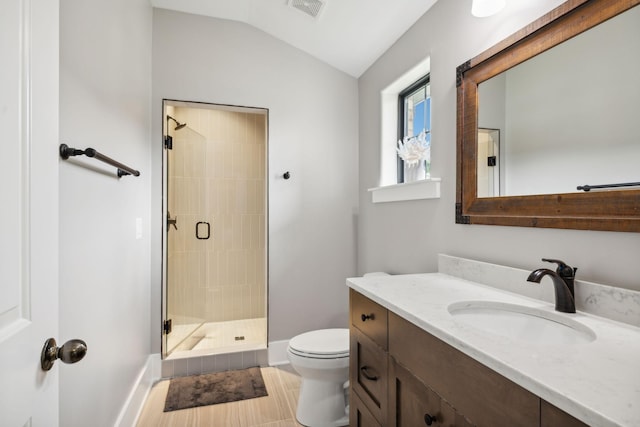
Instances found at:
x=313 y=116
x=592 y=98
x=105 y=64
x=405 y=237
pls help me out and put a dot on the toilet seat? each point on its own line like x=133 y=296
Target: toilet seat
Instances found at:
x=321 y=344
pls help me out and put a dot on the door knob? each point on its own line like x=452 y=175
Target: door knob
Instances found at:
x=71 y=352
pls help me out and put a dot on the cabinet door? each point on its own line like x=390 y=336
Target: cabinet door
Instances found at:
x=452 y=418
x=413 y=404
x=550 y=416
x=359 y=415
x=368 y=373
x=481 y=394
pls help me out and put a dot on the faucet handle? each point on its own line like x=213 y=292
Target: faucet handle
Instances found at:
x=563 y=269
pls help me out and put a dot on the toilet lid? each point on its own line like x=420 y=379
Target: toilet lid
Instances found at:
x=332 y=343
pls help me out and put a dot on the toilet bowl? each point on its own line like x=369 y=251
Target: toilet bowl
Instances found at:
x=322 y=360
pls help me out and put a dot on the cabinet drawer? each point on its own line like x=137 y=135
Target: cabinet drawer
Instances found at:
x=359 y=415
x=369 y=317
x=479 y=393
x=368 y=373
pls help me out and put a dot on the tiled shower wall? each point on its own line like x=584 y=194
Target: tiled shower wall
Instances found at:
x=217 y=175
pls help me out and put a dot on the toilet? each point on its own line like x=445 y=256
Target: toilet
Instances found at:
x=322 y=359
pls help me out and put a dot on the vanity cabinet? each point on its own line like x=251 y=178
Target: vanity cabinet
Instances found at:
x=402 y=376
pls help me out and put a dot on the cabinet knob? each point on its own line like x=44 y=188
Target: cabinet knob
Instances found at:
x=365 y=317
x=429 y=419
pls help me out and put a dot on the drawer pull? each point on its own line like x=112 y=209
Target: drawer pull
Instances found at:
x=365 y=317
x=428 y=419
x=367 y=375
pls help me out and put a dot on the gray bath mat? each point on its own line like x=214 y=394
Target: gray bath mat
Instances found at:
x=218 y=387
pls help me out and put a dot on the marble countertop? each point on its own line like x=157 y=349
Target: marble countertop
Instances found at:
x=597 y=382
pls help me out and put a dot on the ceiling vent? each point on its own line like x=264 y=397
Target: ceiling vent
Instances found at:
x=310 y=7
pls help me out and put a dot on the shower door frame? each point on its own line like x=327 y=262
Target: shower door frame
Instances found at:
x=164 y=291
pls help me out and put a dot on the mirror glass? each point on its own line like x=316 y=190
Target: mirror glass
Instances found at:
x=564 y=118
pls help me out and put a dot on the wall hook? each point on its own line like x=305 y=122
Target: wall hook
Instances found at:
x=286 y=175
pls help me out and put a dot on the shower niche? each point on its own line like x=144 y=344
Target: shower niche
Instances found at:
x=215 y=229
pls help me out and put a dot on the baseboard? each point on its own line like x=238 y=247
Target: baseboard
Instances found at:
x=278 y=353
x=132 y=407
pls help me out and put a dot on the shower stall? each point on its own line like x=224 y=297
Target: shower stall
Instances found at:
x=214 y=228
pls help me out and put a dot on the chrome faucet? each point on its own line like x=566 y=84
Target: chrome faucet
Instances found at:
x=563 y=279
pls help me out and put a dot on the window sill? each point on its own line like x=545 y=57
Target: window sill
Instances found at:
x=423 y=189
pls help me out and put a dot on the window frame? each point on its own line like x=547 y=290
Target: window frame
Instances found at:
x=423 y=81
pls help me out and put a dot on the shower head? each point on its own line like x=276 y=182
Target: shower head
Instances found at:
x=178 y=124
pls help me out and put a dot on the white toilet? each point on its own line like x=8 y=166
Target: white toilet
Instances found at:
x=322 y=360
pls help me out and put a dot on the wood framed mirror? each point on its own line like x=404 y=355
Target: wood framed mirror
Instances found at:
x=564 y=206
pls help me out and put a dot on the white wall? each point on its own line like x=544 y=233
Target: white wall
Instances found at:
x=105 y=89
x=313 y=115
x=406 y=236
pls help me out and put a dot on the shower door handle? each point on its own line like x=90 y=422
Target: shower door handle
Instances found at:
x=206 y=234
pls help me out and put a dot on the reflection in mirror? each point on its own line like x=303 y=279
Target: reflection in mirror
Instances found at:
x=566 y=117
x=488 y=166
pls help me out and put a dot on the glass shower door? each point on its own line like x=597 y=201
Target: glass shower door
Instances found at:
x=215 y=254
x=186 y=206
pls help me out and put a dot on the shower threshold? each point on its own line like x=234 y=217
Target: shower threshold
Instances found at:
x=223 y=337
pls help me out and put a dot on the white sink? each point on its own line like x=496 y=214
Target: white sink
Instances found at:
x=521 y=323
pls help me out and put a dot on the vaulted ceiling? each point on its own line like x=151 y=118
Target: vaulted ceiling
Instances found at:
x=347 y=34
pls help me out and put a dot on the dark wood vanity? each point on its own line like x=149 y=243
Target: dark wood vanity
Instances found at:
x=401 y=375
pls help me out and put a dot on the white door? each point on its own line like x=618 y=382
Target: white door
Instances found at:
x=28 y=210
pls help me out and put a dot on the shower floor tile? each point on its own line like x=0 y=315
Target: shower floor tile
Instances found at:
x=222 y=337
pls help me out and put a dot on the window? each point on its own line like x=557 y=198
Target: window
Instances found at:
x=414 y=118
x=391 y=187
